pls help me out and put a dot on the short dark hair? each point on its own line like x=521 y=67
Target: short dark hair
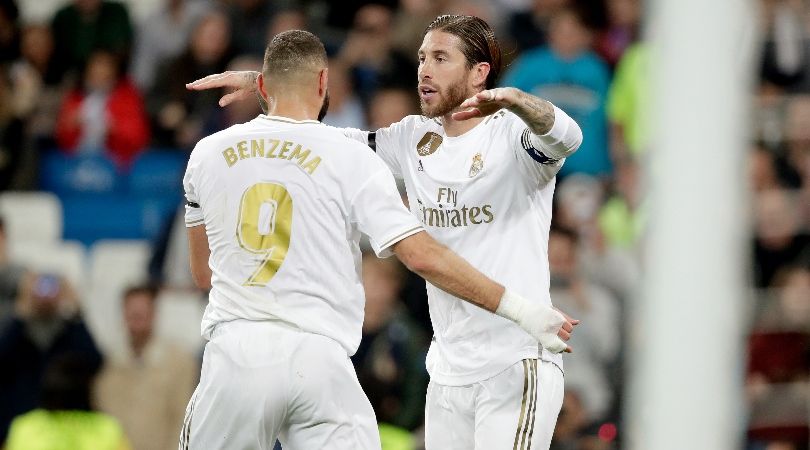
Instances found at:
x=67 y=382
x=478 y=42
x=292 y=52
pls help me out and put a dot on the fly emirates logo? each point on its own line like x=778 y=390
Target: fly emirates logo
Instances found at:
x=449 y=214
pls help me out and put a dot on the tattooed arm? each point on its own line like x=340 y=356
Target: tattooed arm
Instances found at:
x=242 y=84
x=537 y=113
x=550 y=129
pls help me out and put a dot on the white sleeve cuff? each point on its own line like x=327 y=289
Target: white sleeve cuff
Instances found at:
x=562 y=139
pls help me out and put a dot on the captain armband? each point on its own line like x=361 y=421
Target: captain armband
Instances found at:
x=562 y=140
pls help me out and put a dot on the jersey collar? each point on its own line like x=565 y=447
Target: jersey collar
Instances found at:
x=285 y=119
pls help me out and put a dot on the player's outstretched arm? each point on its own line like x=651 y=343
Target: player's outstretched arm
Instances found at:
x=242 y=83
x=451 y=273
x=552 y=130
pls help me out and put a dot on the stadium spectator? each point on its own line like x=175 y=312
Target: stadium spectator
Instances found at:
x=36 y=93
x=178 y=115
x=147 y=387
x=390 y=105
x=105 y=114
x=624 y=20
x=65 y=417
x=786 y=47
x=251 y=18
x=370 y=53
x=345 y=108
x=529 y=28
x=162 y=36
x=762 y=170
x=9 y=31
x=285 y=20
x=46 y=323
x=84 y=26
x=390 y=359
x=578 y=201
x=11 y=135
x=11 y=276
x=597 y=338
x=622 y=217
x=779 y=240
x=575 y=428
x=570 y=75
x=627 y=104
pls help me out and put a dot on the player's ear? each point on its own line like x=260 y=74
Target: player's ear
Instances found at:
x=323 y=81
x=480 y=72
x=262 y=87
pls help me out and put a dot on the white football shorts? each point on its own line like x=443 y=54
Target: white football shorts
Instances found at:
x=514 y=410
x=263 y=380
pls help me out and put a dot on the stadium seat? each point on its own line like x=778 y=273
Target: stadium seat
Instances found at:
x=63 y=258
x=31 y=217
x=179 y=315
x=92 y=217
x=114 y=265
x=77 y=174
x=158 y=173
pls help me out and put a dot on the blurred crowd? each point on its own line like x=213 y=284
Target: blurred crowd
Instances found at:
x=105 y=79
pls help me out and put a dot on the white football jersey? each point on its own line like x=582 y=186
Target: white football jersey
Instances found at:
x=487 y=195
x=284 y=203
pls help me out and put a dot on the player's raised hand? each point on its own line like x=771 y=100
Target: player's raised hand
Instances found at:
x=485 y=103
x=242 y=82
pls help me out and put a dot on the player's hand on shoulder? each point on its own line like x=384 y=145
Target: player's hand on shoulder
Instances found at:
x=485 y=103
x=241 y=82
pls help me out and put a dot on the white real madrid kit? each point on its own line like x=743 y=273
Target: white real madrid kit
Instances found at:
x=487 y=195
x=284 y=203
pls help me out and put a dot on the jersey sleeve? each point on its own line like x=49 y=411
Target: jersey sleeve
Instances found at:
x=378 y=211
x=194 y=214
x=387 y=151
x=538 y=156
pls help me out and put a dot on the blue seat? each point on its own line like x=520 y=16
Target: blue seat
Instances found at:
x=67 y=175
x=158 y=173
x=90 y=217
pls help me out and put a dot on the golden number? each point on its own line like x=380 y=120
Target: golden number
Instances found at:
x=265 y=222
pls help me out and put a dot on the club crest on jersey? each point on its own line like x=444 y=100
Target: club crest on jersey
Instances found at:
x=477 y=165
x=429 y=143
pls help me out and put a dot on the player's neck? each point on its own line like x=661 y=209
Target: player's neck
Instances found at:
x=292 y=106
x=454 y=128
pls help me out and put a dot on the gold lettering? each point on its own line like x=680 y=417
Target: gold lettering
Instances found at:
x=486 y=209
x=433 y=218
x=474 y=211
x=285 y=147
x=298 y=154
x=257 y=147
x=241 y=146
x=455 y=220
x=271 y=154
x=312 y=164
x=230 y=156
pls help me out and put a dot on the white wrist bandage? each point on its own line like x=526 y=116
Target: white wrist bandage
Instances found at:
x=541 y=321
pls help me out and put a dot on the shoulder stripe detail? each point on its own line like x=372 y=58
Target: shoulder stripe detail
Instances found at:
x=194 y=223
x=537 y=155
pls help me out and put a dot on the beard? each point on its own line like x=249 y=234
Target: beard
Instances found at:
x=449 y=100
x=324 y=107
